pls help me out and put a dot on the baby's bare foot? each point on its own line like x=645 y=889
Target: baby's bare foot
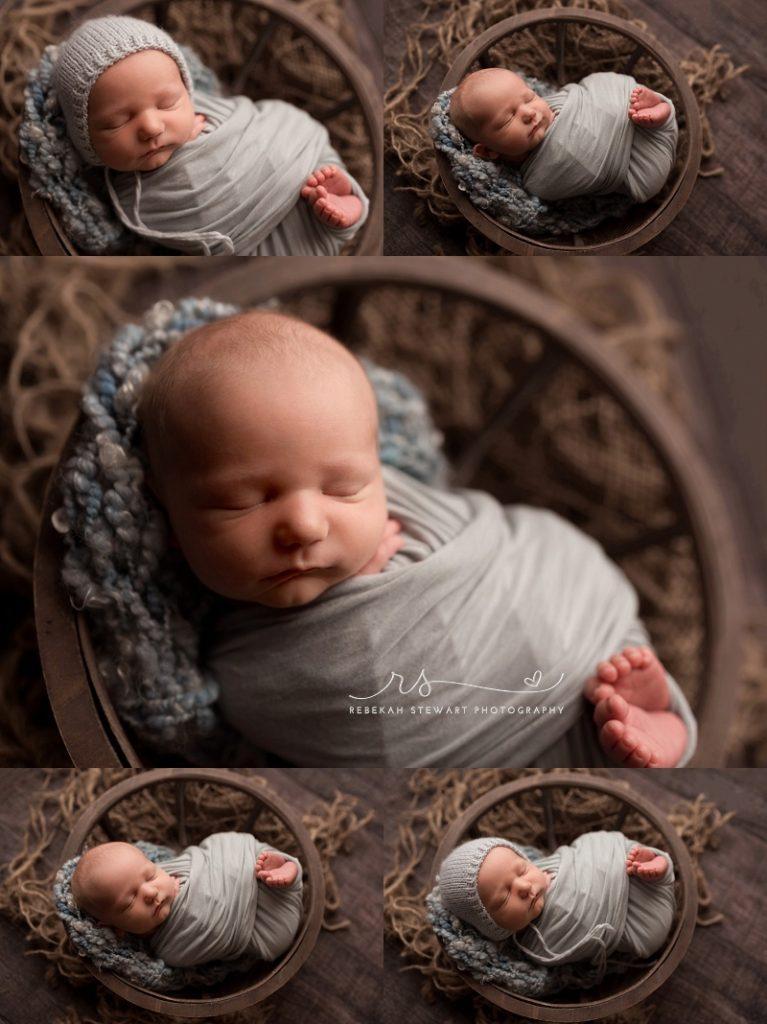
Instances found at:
x=328 y=190
x=646 y=864
x=636 y=738
x=636 y=674
x=274 y=869
x=648 y=108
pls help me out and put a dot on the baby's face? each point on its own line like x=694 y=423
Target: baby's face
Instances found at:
x=273 y=484
x=132 y=894
x=511 y=119
x=511 y=888
x=140 y=112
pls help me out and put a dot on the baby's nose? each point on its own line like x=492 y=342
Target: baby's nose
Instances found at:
x=150 y=125
x=300 y=523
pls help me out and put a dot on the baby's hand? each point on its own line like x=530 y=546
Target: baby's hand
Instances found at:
x=274 y=869
x=199 y=124
x=390 y=544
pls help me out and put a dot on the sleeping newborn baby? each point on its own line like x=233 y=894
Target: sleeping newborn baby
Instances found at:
x=194 y=172
x=351 y=594
x=602 y=894
x=603 y=134
x=230 y=896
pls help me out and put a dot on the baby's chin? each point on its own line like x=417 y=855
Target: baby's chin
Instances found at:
x=152 y=161
x=146 y=162
x=294 y=592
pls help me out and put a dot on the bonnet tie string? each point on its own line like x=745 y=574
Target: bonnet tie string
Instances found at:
x=207 y=239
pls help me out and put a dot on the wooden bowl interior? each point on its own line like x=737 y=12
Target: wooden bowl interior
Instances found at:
x=524 y=417
x=507 y=52
x=561 y=810
x=209 y=806
x=567 y=826
x=283 y=54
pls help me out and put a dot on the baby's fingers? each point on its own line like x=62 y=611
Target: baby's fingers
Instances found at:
x=392 y=527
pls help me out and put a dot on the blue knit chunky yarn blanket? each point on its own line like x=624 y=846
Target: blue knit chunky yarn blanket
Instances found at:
x=126 y=955
x=502 y=963
x=145 y=607
x=495 y=187
x=58 y=174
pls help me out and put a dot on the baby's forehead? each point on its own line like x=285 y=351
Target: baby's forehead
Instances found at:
x=257 y=351
x=147 y=69
x=484 y=87
x=500 y=858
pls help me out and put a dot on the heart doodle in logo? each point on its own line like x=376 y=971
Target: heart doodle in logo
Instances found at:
x=536 y=680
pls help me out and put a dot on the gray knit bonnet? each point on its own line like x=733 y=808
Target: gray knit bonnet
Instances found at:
x=90 y=50
x=457 y=880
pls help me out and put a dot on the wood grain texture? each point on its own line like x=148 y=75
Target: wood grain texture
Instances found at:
x=339 y=984
x=722 y=978
x=724 y=215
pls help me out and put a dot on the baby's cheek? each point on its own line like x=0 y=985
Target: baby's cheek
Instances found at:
x=217 y=552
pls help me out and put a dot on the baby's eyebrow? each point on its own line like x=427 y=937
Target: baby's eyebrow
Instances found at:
x=159 y=94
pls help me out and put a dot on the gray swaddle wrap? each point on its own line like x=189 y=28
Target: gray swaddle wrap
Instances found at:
x=593 y=147
x=484 y=608
x=594 y=908
x=236 y=187
x=222 y=911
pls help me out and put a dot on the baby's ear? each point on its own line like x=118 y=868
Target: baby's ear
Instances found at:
x=481 y=150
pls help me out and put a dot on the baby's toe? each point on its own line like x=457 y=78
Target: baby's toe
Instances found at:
x=626 y=746
x=621 y=664
x=610 y=735
x=614 y=708
x=595 y=690
x=634 y=656
x=603 y=692
x=607 y=672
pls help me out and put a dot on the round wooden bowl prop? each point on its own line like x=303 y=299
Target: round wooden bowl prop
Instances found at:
x=44 y=221
x=84 y=712
x=238 y=991
x=642 y=222
x=623 y=990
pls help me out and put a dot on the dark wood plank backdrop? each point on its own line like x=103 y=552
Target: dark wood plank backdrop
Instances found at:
x=722 y=979
x=339 y=984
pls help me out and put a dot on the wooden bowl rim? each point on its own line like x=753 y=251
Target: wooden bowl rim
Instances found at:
x=656 y=220
x=91 y=739
x=677 y=943
x=45 y=223
x=289 y=963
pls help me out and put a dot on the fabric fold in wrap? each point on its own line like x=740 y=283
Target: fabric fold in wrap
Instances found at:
x=222 y=911
x=594 y=148
x=470 y=649
x=594 y=908
x=236 y=188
